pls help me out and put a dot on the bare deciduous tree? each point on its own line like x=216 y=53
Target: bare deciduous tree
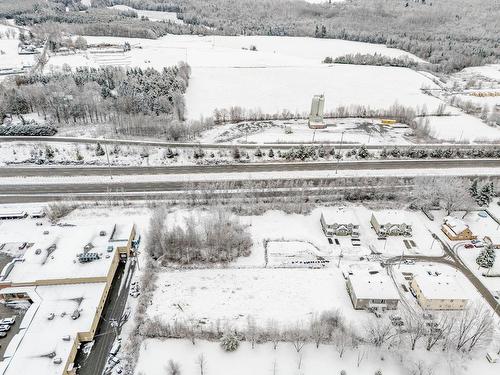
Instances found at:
x=201 y=362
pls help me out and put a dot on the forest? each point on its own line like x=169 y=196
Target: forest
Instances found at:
x=450 y=34
x=88 y=95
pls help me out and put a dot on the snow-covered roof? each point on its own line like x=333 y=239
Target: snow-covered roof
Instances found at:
x=373 y=286
x=457 y=226
x=121 y=232
x=392 y=216
x=339 y=215
x=440 y=287
x=43 y=261
x=28 y=352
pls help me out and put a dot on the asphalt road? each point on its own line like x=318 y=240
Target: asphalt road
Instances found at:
x=250 y=167
x=95 y=362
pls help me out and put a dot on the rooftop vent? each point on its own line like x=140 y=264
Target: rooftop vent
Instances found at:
x=88 y=257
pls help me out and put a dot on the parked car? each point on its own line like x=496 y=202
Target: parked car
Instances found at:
x=337 y=242
x=3 y=334
x=409 y=261
x=45 y=232
x=330 y=241
x=23 y=245
x=4 y=327
x=9 y=321
x=479 y=244
x=469 y=246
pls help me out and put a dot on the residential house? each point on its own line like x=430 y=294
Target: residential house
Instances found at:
x=339 y=222
x=456 y=229
x=391 y=223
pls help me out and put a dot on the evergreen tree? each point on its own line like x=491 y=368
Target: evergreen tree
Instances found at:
x=473 y=189
x=363 y=152
x=99 y=150
x=271 y=153
x=485 y=195
x=236 y=153
x=486 y=258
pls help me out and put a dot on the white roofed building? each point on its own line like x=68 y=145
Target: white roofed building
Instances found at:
x=372 y=291
x=339 y=222
x=439 y=292
x=391 y=223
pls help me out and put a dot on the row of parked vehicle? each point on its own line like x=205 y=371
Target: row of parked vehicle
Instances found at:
x=5 y=325
x=474 y=244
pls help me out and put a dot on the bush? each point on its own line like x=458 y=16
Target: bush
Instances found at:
x=35 y=130
x=229 y=342
x=215 y=237
x=56 y=211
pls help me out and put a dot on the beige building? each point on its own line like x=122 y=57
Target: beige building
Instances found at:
x=53 y=275
x=439 y=292
x=456 y=229
x=372 y=291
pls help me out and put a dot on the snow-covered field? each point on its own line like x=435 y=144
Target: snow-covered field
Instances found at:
x=155 y=354
x=463 y=128
x=274 y=89
x=152 y=15
x=231 y=51
x=9 y=58
x=233 y=296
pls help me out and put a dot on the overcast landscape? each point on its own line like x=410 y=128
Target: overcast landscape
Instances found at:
x=204 y=187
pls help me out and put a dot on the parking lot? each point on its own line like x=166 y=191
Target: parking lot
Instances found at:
x=7 y=312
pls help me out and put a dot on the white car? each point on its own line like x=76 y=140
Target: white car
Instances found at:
x=4 y=327
x=8 y=321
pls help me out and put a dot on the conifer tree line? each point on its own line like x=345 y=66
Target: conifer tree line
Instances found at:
x=482 y=194
x=89 y=95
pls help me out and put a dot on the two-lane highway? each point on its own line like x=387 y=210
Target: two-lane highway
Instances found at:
x=58 y=171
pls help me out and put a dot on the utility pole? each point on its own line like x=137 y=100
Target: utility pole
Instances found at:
x=339 y=156
x=109 y=164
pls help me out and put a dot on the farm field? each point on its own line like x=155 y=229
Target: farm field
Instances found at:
x=273 y=90
x=150 y=14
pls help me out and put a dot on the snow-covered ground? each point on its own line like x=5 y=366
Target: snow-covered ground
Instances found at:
x=152 y=15
x=230 y=51
x=274 y=89
x=155 y=354
x=9 y=58
x=233 y=296
x=463 y=128
x=361 y=131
